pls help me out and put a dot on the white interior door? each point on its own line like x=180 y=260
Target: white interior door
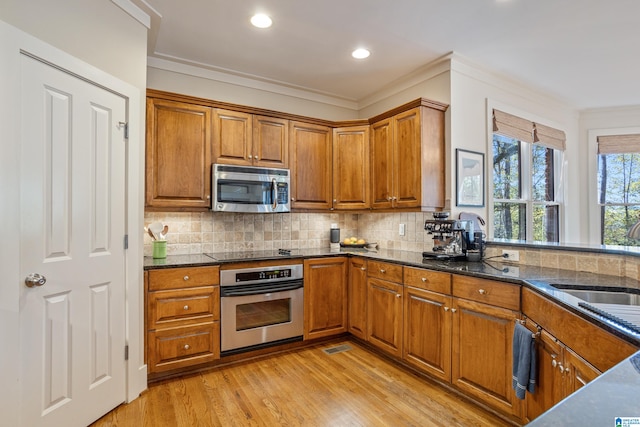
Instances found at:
x=72 y=328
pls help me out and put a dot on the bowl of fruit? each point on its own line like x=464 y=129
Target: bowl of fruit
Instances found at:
x=353 y=242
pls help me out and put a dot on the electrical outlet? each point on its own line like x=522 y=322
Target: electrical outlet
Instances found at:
x=511 y=271
x=401 y=230
x=513 y=256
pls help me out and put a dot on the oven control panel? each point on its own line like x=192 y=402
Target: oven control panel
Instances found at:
x=260 y=275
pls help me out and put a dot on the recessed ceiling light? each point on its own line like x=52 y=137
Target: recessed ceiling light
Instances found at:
x=261 y=20
x=360 y=53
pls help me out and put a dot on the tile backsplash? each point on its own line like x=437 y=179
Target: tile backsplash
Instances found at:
x=192 y=233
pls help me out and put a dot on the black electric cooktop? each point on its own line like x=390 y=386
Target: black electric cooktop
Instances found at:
x=253 y=255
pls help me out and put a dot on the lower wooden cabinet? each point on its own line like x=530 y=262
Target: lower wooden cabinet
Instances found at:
x=325 y=297
x=384 y=315
x=358 y=297
x=182 y=318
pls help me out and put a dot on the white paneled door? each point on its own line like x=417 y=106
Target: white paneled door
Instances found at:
x=72 y=326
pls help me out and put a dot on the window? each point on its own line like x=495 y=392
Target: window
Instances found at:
x=618 y=187
x=527 y=160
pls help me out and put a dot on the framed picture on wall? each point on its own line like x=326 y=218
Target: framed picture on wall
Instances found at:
x=469 y=178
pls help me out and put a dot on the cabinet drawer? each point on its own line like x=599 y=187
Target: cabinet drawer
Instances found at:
x=183 y=307
x=182 y=347
x=385 y=271
x=434 y=281
x=175 y=278
x=492 y=292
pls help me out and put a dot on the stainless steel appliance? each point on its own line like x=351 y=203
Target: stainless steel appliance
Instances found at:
x=249 y=189
x=260 y=306
x=454 y=239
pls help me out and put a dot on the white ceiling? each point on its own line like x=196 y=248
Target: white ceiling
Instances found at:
x=584 y=52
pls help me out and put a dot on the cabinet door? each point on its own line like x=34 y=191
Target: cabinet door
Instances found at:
x=433 y=158
x=381 y=151
x=358 y=297
x=482 y=353
x=577 y=372
x=270 y=146
x=311 y=163
x=325 y=297
x=351 y=167
x=232 y=138
x=549 y=384
x=384 y=315
x=407 y=159
x=178 y=155
x=427 y=332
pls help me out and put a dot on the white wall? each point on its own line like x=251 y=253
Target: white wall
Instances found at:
x=474 y=93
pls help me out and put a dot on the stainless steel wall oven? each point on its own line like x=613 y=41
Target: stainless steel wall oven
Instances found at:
x=260 y=306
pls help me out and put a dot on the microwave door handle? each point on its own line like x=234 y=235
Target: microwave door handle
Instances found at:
x=274 y=194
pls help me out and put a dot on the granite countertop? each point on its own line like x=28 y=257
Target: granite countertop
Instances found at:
x=613 y=394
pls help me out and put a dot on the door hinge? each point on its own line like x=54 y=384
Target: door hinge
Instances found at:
x=126 y=241
x=126 y=128
x=126 y=352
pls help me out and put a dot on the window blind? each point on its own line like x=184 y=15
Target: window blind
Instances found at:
x=617 y=144
x=525 y=130
x=512 y=126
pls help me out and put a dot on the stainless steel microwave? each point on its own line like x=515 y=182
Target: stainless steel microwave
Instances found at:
x=249 y=189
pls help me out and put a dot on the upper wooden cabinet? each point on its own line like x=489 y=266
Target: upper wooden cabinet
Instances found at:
x=311 y=166
x=407 y=159
x=250 y=140
x=351 y=168
x=178 y=155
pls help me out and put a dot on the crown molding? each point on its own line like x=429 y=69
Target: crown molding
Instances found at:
x=134 y=11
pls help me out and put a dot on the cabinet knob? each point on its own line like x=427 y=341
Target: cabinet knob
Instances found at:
x=446 y=308
x=250 y=156
x=256 y=157
x=482 y=291
x=293 y=200
x=394 y=198
x=453 y=310
x=398 y=295
x=335 y=200
x=362 y=268
x=186 y=347
x=208 y=196
x=561 y=368
x=186 y=307
x=554 y=363
x=382 y=270
x=424 y=279
x=186 y=278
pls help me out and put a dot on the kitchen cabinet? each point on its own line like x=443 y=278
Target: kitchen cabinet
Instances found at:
x=351 y=187
x=311 y=166
x=560 y=372
x=358 y=297
x=407 y=159
x=178 y=155
x=384 y=306
x=325 y=297
x=182 y=318
x=428 y=321
x=484 y=314
x=250 y=140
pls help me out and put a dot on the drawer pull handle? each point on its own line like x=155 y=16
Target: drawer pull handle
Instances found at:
x=453 y=310
x=382 y=270
x=186 y=347
x=186 y=278
x=424 y=279
x=482 y=291
x=186 y=307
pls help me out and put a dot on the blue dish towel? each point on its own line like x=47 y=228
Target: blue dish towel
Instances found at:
x=524 y=361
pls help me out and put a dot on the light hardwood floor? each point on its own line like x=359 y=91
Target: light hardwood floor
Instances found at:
x=304 y=387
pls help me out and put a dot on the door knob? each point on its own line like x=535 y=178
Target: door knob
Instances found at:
x=35 y=279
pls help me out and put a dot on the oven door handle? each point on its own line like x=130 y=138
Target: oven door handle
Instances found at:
x=239 y=291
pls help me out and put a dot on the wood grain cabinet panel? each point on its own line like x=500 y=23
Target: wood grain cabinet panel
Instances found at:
x=325 y=297
x=270 y=142
x=385 y=271
x=351 y=186
x=178 y=155
x=311 y=166
x=182 y=318
x=384 y=315
x=486 y=291
x=435 y=281
x=358 y=297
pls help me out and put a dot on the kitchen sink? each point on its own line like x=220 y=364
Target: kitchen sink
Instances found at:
x=602 y=295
